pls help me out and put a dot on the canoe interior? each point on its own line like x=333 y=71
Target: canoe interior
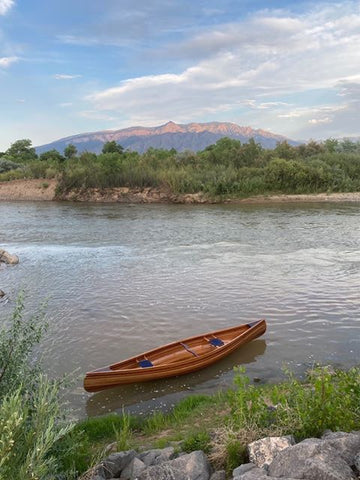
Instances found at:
x=189 y=349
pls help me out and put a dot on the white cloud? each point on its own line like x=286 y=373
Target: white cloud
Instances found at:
x=263 y=58
x=317 y=121
x=5 y=6
x=63 y=76
x=5 y=62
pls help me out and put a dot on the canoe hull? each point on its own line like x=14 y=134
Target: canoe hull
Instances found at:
x=114 y=375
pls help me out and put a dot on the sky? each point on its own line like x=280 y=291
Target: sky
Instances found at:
x=69 y=67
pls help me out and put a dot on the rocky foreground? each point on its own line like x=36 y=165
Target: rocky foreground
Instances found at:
x=336 y=456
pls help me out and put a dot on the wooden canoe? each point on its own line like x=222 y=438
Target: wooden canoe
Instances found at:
x=175 y=358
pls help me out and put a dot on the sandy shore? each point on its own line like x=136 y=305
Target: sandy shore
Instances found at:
x=39 y=190
x=27 y=190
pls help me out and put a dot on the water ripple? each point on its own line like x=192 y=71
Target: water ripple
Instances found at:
x=123 y=279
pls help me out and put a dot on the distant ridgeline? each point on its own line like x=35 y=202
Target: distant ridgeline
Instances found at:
x=192 y=136
x=224 y=169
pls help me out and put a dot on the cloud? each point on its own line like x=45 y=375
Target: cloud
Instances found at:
x=62 y=76
x=317 y=121
x=5 y=6
x=253 y=64
x=5 y=62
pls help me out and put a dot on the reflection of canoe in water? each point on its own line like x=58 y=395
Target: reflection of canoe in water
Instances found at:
x=176 y=358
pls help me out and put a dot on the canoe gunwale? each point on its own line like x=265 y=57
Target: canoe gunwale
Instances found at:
x=202 y=359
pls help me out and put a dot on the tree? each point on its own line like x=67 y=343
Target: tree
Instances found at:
x=112 y=147
x=21 y=151
x=285 y=150
x=52 y=155
x=331 y=145
x=70 y=151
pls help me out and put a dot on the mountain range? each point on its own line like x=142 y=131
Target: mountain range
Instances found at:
x=191 y=136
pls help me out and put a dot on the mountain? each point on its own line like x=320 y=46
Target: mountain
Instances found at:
x=191 y=136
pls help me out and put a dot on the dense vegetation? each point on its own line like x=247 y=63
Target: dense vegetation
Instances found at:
x=227 y=168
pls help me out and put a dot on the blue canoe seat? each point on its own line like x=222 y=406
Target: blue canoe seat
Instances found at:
x=216 y=342
x=145 y=363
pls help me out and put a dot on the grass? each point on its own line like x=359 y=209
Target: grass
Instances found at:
x=222 y=425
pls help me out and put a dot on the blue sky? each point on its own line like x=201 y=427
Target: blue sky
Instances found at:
x=68 y=67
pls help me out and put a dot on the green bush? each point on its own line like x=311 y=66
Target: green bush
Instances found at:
x=31 y=416
x=7 y=165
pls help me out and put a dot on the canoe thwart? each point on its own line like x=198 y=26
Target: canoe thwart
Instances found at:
x=189 y=349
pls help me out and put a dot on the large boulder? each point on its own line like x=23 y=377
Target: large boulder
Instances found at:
x=157 y=456
x=312 y=459
x=193 y=466
x=346 y=444
x=133 y=469
x=114 y=464
x=262 y=452
x=6 y=257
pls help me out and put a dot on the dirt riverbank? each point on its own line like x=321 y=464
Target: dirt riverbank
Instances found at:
x=41 y=189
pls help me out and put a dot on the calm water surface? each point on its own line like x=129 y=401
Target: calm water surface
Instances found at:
x=122 y=279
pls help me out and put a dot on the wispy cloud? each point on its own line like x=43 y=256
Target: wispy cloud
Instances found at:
x=63 y=76
x=267 y=57
x=5 y=6
x=5 y=62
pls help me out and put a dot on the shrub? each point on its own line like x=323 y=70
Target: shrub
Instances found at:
x=7 y=165
x=31 y=417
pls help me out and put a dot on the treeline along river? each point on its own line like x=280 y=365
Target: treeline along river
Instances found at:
x=121 y=279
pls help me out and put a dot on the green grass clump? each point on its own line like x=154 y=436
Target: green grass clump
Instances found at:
x=328 y=399
x=197 y=441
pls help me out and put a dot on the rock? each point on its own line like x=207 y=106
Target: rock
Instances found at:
x=2 y=293
x=113 y=465
x=254 y=473
x=219 y=475
x=157 y=456
x=357 y=462
x=193 y=466
x=346 y=444
x=111 y=448
x=133 y=469
x=312 y=459
x=262 y=452
x=6 y=257
x=245 y=467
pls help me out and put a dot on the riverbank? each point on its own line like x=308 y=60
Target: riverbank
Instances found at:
x=45 y=190
x=223 y=425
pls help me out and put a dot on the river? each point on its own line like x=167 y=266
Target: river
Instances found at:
x=121 y=279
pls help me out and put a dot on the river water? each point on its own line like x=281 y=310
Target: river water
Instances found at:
x=121 y=279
